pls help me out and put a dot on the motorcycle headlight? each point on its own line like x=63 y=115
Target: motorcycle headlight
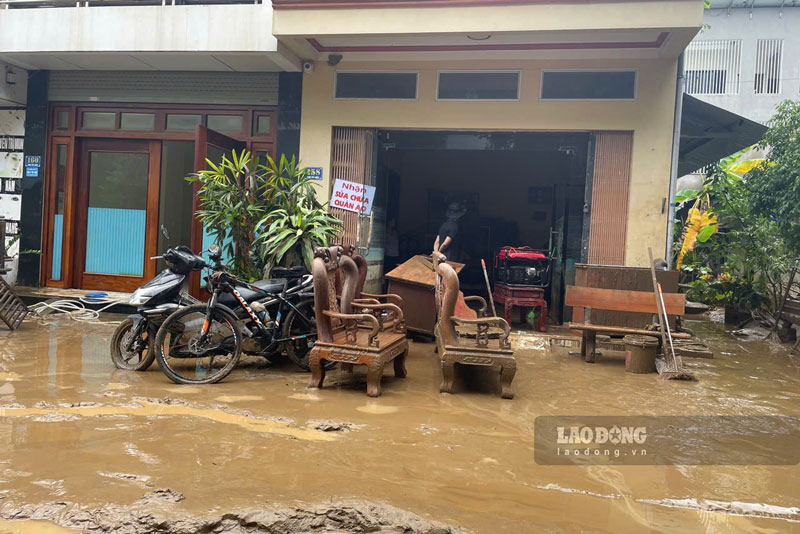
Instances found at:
x=138 y=298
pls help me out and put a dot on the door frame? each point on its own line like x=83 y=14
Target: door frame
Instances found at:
x=203 y=138
x=85 y=280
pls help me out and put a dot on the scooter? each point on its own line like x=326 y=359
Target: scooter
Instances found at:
x=132 y=341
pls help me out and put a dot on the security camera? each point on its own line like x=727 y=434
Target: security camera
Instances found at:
x=334 y=59
x=308 y=66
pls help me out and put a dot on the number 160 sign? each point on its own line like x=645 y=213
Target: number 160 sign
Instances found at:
x=351 y=196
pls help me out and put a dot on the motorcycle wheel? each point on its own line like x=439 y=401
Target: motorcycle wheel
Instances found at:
x=184 y=363
x=134 y=360
x=297 y=351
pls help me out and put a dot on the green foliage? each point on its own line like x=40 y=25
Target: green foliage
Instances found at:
x=744 y=263
x=235 y=194
x=775 y=186
x=262 y=215
x=298 y=222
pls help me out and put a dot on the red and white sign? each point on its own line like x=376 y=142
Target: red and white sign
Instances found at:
x=351 y=196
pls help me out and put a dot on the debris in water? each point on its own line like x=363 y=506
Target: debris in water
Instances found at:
x=332 y=426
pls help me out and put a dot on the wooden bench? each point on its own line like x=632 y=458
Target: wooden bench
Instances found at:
x=590 y=298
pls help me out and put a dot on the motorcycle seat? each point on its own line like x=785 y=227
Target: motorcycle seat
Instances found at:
x=272 y=285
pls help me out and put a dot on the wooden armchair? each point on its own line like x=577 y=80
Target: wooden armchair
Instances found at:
x=469 y=350
x=353 y=333
x=370 y=298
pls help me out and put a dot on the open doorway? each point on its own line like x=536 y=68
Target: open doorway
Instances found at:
x=520 y=189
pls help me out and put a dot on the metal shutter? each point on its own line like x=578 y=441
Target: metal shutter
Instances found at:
x=241 y=88
x=351 y=160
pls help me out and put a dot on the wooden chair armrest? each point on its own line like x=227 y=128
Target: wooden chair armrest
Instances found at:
x=395 y=311
x=366 y=301
x=394 y=299
x=483 y=324
x=481 y=300
x=351 y=322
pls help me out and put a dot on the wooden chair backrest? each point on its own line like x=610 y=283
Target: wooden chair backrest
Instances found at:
x=329 y=263
x=623 y=300
x=461 y=309
x=361 y=264
x=449 y=281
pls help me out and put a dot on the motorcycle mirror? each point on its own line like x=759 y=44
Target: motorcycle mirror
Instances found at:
x=164 y=232
x=213 y=250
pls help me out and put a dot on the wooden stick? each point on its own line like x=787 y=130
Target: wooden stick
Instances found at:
x=658 y=306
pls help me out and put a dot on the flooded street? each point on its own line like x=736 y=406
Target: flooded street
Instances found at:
x=82 y=444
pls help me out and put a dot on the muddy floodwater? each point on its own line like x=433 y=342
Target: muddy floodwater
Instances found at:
x=83 y=444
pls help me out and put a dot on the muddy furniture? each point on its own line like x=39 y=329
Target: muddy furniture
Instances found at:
x=369 y=298
x=414 y=281
x=12 y=310
x=352 y=338
x=522 y=297
x=622 y=277
x=589 y=299
x=454 y=349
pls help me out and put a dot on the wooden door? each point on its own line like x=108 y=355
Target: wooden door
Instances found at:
x=208 y=145
x=117 y=214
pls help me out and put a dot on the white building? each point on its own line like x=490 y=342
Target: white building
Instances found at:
x=746 y=58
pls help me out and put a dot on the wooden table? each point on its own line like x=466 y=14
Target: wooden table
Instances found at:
x=415 y=281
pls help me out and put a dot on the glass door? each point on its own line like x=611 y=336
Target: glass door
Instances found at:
x=117 y=214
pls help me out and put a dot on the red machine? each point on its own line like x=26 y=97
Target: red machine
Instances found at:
x=521 y=275
x=522 y=266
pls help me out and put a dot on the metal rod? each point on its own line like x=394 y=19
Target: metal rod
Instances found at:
x=488 y=287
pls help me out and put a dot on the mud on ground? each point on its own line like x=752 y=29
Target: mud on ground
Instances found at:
x=91 y=448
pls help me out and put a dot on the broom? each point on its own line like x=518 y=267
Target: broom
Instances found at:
x=674 y=369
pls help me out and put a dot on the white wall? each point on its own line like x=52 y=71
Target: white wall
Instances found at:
x=749 y=26
x=12 y=130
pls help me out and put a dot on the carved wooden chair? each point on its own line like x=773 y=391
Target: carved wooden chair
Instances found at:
x=353 y=333
x=360 y=295
x=468 y=350
x=463 y=310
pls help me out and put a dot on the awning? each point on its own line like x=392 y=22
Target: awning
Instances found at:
x=709 y=133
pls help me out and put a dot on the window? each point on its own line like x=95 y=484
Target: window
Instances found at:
x=263 y=125
x=183 y=122
x=62 y=120
x=99 y=120
x=589 y=85
x=376 y=85
x=137 y=121
x=497 y=85
x=713 y=67
x=225 y=123
x=769 y=60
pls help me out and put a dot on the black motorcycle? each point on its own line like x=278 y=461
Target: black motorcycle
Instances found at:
x=202 y=343
x=132 y=342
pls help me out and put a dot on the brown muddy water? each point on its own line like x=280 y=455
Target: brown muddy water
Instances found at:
x=87 y=446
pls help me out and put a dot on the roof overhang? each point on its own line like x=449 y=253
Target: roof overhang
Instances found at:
x=710 y=133
x=367 y=30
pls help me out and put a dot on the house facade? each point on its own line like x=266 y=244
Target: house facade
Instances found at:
x=552 y=122
x=746 y=58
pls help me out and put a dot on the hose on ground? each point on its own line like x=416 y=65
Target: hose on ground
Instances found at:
x=73 y=308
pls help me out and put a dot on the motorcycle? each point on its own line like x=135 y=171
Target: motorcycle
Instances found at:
x=131 y=343
x=202 y=343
